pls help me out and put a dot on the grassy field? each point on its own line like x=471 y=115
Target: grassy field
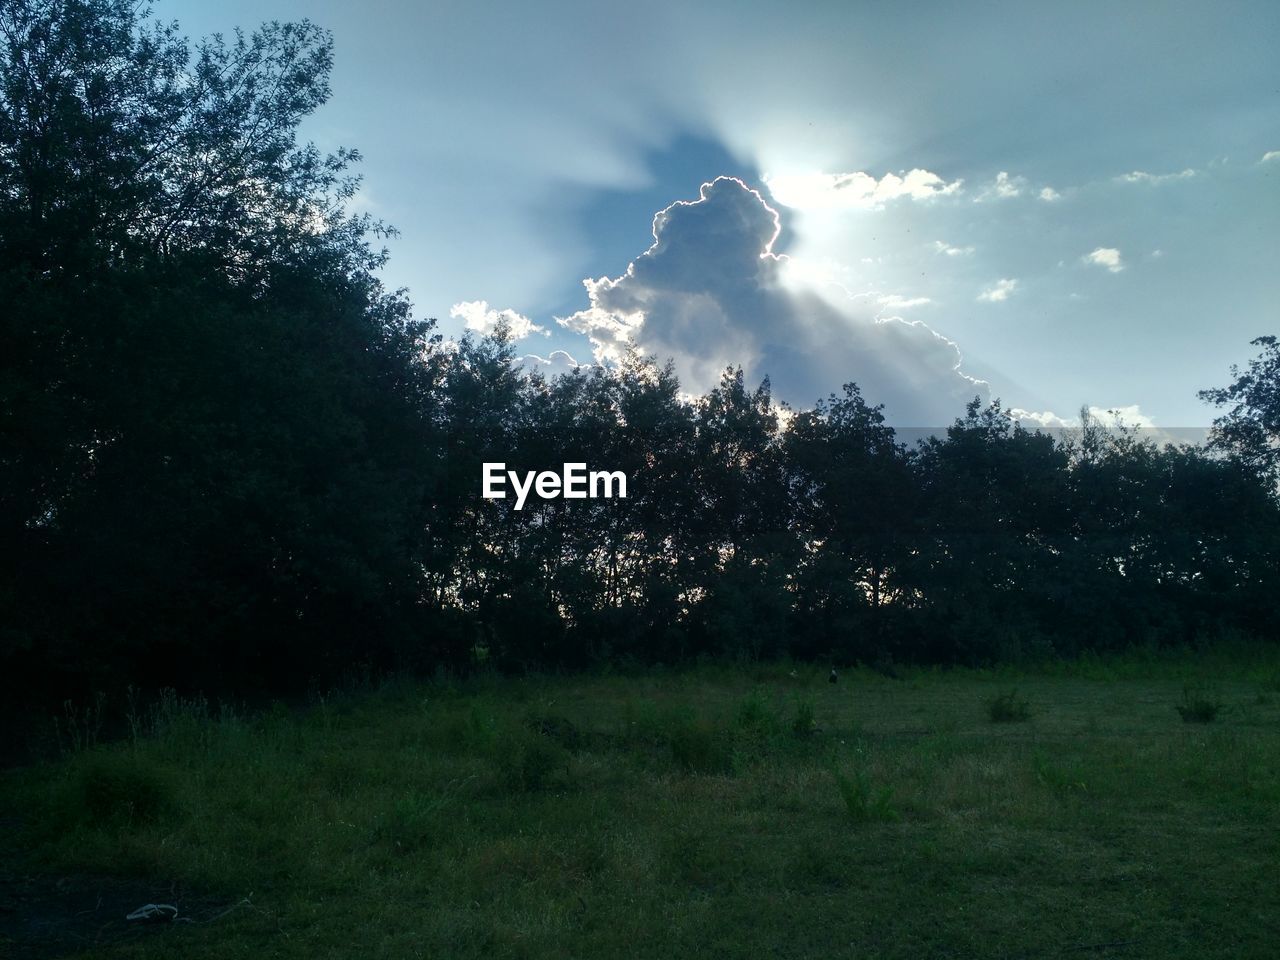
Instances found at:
x=1069 y=811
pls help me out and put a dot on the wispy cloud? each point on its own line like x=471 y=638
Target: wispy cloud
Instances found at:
x=856 y=190
x=1155 y=179
x=1108 y=257
x=951 y=251
x=1269 y=156
x=1001 y=290
x=893 y=301
x=1049 y=195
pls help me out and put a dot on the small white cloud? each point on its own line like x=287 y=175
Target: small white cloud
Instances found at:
x=1049 y=195
x=816 y=191
x=951 y=251
x=1269 y=156
x=1141 y=176
x=1157 y=254
x=894 y=302
x=1108 y=257
x=478 y=316
x=1001 y=291
x=1042 y=419
x=1004 y=187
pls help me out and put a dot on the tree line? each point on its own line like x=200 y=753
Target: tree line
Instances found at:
x=231 y=460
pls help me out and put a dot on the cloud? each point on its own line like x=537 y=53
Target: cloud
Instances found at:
x=1108 y=257
x=1141 y=176
x=892 y=301
x=1269 y=156
x=557 y=363
x=481 y=318
x=1001 y=291
x=951 y=251
x=1049 y=195
x=1004 y=187
x=710 y=293
x=860 y=191
x=1110 y=418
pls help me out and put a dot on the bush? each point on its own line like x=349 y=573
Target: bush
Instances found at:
x=1008 y=708
x=1197 y=706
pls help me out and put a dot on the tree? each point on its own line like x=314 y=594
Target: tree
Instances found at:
x=852 y=494
x=1250 y=429
x=215 y=424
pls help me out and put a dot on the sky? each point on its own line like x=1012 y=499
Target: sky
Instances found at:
x=1055 y=205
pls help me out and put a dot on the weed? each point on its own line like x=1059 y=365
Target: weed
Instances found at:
x=803 y=724
x=864 y=800
x=555 y=727
x=1198 y=705
x=79 y=727
x=697 y=746
x=530 y=761
x=1008 y=708
x=756 y=728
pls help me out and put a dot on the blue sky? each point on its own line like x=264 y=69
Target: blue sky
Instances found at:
x=1057 y=205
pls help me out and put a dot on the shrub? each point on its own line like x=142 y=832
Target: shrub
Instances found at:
x=1197 y=706
x=1008 y=708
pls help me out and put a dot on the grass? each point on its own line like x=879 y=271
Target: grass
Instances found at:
x=726 y=812
x=1198 y=705
x=1008 y=707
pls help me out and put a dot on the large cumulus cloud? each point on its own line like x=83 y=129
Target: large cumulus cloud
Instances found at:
x=710 y=293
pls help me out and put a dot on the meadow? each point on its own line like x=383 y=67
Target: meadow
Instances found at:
x=1121 y=807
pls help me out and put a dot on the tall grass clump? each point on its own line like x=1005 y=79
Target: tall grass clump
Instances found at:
x=699 y=746
x=864 y=800
x=1008 y=707
x=803 y=721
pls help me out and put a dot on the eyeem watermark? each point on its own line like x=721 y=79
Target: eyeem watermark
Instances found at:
x=572 y=483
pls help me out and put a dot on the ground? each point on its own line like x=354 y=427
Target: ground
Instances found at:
x=713 y=812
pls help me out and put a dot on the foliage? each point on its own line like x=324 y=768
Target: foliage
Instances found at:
x=1250 y=429
x=864 y=800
